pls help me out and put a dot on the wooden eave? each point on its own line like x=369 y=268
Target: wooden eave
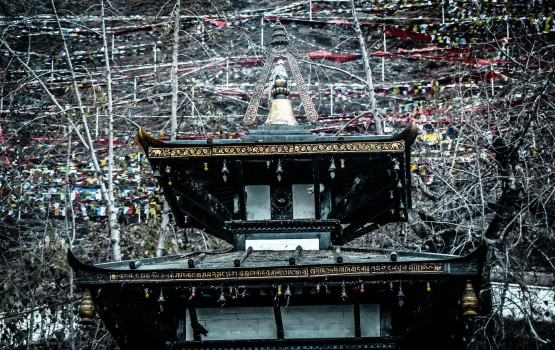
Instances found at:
x=236 y=148
x=174 y=269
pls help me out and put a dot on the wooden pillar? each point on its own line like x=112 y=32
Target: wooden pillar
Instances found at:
x=279 y=321
x=181 y=329
x=195 y=323
x=356 y=309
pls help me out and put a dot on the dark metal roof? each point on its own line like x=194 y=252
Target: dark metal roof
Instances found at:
x=271 y=135
x=269 y=258
x=270 y=266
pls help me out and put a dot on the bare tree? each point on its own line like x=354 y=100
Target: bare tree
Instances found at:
x=164 y=226
x=482 y=166
x=367 y=70
x=488 y=177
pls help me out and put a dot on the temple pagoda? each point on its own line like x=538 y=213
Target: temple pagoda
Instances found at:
x=287 y=200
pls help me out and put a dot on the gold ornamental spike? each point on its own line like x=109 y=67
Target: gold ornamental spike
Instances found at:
x=309 y=109
x=469 y=300
x=279 y=47
x=86 y=308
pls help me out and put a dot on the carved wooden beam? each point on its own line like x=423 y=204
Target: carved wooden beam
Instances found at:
x=199 y=218
x=355 y=198
x=197 y=207
x=201 y=197
x=237 y=262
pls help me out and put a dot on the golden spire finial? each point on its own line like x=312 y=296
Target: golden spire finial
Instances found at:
x=281 y=110
x=279 y=47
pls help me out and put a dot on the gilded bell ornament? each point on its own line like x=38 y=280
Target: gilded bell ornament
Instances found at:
x=400 y=296
x=86 y=309
x=344 y=295
x=332 y=169
x=469 y=300
x=288 y=292
x=225 y=171
x=222 y=299
x=281 y=109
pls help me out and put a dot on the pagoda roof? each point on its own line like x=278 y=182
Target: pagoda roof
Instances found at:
x=204 y=180
x=264 y=141
x=253 y=266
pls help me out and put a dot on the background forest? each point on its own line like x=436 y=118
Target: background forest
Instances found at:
x=78 y=78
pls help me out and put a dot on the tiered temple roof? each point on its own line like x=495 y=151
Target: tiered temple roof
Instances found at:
x=287 y=200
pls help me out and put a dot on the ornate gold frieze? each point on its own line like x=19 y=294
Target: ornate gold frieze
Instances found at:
x=272 y=150
x=280 y=273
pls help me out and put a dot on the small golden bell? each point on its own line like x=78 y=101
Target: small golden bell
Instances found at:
x=469 y=300
x=86 y=308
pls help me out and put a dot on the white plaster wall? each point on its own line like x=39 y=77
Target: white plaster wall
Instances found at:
x=283 y=244
x=258 y=202
x=303 y=202
x=535 y=301
x=229 y=323
x=331 y=321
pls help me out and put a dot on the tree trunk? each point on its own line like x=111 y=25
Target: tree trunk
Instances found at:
x=161 y=247
x=112 y=210
x=368 y=70
x=164 y=228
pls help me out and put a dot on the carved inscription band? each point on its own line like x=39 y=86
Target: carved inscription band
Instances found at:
x=285 y=149
x=281 y=273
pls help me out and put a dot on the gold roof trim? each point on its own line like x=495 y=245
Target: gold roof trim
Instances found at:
x=194 y=151
x=156 y=149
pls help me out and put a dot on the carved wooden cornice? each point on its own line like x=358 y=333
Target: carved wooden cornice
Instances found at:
x=290 y=149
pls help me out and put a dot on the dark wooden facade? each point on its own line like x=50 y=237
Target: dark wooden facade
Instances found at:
x=361 y=180
x=351 y=299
